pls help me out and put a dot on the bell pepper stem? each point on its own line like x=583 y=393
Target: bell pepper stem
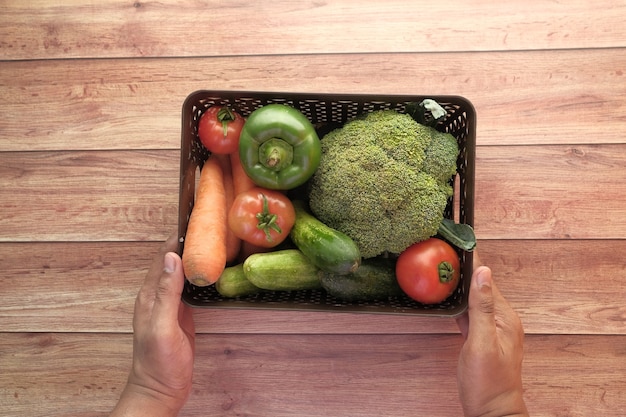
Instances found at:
x=275 y=154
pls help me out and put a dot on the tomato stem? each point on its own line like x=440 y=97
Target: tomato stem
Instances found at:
x=225 y=116
x=446 y=272
x=267 y=220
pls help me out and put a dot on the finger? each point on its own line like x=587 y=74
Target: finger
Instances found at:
x=481 y=307
x=169 y=289
x=507 y=319
x=462 y=323
x=476 y=260
x=147 y=293
x=152 y=277
x=171 y=244
x=185 y=318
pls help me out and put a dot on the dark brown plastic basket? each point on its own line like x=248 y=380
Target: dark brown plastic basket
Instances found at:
x=327 y=110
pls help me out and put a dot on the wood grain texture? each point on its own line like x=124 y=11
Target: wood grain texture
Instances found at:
x=535 y=97
x=133 y=195
x=308 y=375
x=114 y=28
x=557 y=286
x=90 y=104
x=89 y=196
x=551 y=192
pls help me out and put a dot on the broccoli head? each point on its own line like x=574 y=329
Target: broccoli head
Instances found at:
x=384 y=180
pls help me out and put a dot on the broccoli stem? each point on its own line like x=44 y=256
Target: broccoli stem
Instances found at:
x=460 y=235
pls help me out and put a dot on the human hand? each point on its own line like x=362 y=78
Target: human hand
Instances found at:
x=489 y=371
x=163 y=345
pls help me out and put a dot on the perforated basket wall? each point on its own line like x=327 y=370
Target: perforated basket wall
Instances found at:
x=323 y=110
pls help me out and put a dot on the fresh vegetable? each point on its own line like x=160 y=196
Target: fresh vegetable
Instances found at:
x=262 y=217
x=374 y=280
x=278 y=147
x=241 y=184
x=233 y=242
x=328 y=249
x=460 y=235
x=204 y=254
x=428 y=112
x=241 y=181
x=248 y=249
x=428 y=271
x=283 y=270
x=384 y=180
x=219 y=128
x=233 y=283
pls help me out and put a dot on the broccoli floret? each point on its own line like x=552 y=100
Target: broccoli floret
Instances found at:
x=441 y=156
x=383 y=180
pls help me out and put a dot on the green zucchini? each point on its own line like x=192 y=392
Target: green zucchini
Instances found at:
x=282 y=270
x=328 y=249
x=374 y=280
x=233 y=283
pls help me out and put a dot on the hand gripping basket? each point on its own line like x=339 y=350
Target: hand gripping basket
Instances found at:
x=322 y=110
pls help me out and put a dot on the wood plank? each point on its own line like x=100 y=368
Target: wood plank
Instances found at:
x=304 y=375
x=72 y=286
x=551 y=192
x=538 y=97
x=113 y=29
x=557 y=286
x=90 y=196
x=89 y=186
x=562 y=284
x=521 y=193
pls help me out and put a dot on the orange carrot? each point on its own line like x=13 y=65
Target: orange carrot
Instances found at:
x=241 y=180
x=233 y=243
x=204 y=254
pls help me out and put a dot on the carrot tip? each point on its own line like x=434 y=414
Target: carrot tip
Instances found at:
x=199 y=281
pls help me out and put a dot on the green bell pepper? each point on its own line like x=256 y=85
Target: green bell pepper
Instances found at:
x=279 y=147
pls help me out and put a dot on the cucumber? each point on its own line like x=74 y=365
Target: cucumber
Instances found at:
x=374 y=280
x=233 y=283
x=328 y=249
x=283 y=270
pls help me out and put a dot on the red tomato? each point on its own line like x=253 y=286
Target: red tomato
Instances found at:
x=428 y=271
x=219 y=129
x=262 y=217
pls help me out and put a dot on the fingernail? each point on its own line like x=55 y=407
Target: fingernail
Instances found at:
x=169 y=263
x=483 y=278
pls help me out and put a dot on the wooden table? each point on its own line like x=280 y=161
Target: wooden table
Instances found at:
x=90 y=105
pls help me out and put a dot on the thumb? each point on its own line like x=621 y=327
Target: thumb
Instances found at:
x=169 y=289
x=481 y=309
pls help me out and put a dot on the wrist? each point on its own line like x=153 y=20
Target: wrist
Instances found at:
x=509 y=404
x=514 y=407
x=136 y=401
